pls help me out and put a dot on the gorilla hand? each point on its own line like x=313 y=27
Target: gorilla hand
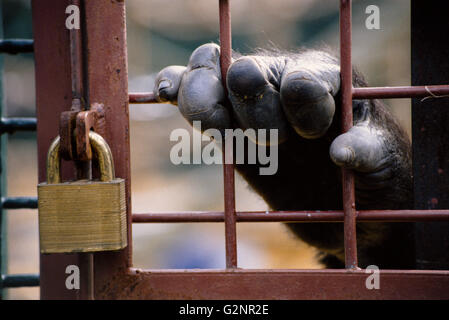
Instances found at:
x=295 y=93
x=275 y=92
x=266 y=92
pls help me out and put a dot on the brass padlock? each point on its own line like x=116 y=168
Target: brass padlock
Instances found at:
x=82 y=216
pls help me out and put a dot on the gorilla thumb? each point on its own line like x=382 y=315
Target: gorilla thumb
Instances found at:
x=360 y=148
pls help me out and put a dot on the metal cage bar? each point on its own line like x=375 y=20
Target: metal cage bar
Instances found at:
x=11 y=125
x=14 y=46
x=19 y=280
x=350 y=241
x=400 y=92
x=293 y=216
x=228 y=166
x=19 y=202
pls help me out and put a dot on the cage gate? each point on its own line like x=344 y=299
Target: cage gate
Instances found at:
x=105 y=80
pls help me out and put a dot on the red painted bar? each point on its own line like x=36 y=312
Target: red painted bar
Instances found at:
x=252 y=284
x=401 y=92
x=76 y=60
x=53 y=96
x=228 y=167
x=439 y=91
x=83 y=168
x=346 y=93
x=142 y=97
x=107 y=78
x=293 y=216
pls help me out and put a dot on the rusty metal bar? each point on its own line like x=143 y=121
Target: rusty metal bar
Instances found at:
x=107 y=83
x=439 y=91
x=293 y=216
x=76 y=62
x=228 y=167
x=225 y=39
x=52 y=61
x=234 y=284
x=142 y=97
x=400 y=92
x=84 y=171
x=346 y=93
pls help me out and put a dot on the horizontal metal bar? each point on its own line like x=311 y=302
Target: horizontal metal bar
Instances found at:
x=295 y=216
x=401 y=92
x=437 y=91
x=14 y=46
x=19 y=202
x=252 y=284
x=19 y=280
x=142 y=97
x=10 y=125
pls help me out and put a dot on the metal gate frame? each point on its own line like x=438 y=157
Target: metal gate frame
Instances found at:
x=105 y=78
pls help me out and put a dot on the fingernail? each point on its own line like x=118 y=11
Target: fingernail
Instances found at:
x=348 y=155
x=164 y=84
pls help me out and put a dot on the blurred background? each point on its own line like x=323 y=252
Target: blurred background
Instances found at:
x=162 y=33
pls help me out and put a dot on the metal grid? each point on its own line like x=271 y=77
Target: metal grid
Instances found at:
x=349 y=215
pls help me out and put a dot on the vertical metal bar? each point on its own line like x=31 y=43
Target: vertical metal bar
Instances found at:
x=107 y=83
x=3 y=141
x=83 y=167
x=228 y=166
x=53 y=93
x=61 y=50
x=347 y=119
x=225 y=38
x=76 y=62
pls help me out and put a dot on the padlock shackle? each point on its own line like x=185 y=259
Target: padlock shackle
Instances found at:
x=102 y=152
x=104 y=156
x=54 y=162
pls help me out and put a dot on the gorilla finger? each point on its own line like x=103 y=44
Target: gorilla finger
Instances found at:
x=361 y=148
x=307 y=103
x=167 y=84
x=255 y=101
x=309 y=83
x=201 y=95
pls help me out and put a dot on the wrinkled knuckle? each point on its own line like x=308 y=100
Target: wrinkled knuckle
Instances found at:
x=206 y=55
x=200 y=92
x=301 y=86
x=245 y=78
